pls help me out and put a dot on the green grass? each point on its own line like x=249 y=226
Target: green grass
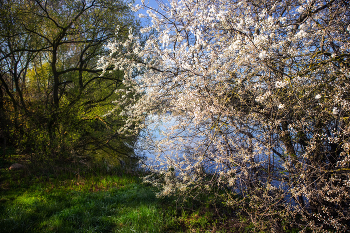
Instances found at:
x=67 y=206
x=76 y=199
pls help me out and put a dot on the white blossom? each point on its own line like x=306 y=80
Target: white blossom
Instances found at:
x=263 y=55
x=318 y=96
x=221 y=68
x=335 y=111
x=281 y=84
x=300 y=9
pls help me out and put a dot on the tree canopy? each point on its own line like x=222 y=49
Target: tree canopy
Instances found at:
x=53 y=96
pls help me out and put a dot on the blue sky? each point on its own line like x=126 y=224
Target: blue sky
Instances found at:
x=151 y=3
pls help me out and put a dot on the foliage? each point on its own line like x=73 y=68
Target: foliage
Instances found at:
x=53 y=97
x=258 y=96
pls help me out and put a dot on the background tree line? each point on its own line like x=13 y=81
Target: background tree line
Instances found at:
x=52 y=94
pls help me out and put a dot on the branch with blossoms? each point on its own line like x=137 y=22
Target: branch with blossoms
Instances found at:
x=258 y=96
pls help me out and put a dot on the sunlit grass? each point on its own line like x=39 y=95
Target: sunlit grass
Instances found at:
x=78 y=201
x=108 y=204
x=89 y=201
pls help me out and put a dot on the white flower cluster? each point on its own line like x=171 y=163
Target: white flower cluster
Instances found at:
x=224 y=69
x=281 y=84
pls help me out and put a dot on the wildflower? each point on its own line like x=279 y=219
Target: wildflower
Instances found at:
x=318 y=96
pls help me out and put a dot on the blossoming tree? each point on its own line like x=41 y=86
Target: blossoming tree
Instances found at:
x=259 y=96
